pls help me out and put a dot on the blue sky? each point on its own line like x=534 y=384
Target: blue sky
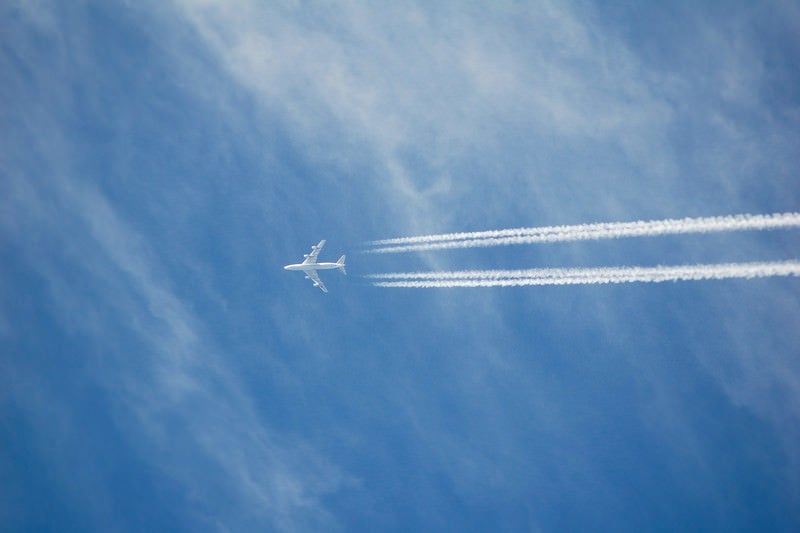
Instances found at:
x=161 y=161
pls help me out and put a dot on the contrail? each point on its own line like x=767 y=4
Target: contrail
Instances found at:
x=585 y=276
x=606 y=230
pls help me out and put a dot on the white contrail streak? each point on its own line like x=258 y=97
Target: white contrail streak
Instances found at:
x=606 y=230
x=585 y=276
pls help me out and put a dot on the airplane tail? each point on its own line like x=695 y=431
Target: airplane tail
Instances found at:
x=340 y=265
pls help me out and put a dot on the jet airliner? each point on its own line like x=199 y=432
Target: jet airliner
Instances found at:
x=310 y=266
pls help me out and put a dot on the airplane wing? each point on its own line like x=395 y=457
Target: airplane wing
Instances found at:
x=313 y=276
x=311 y=258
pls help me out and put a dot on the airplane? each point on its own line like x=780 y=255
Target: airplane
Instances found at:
x=310 y=266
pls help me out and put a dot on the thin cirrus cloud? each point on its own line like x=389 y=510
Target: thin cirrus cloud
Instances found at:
x=172 y=398
x=457 y=84
x=598 y=127
x=420 y=93
x=167 y=407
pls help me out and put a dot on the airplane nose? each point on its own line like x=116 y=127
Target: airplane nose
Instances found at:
x=286 y=267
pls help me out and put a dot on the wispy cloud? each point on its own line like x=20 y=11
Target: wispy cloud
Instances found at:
x=518 y=113
x=420 y=90
x=179 y=406
x=448 y=117
x=186 y=399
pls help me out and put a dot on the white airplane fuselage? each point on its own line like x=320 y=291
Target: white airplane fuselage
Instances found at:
x=313 y=266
